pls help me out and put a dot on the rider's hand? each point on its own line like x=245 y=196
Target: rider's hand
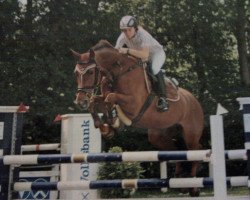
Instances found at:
x=123 y=50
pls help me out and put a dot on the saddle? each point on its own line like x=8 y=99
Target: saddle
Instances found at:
x=172 y=85
x=171 y=91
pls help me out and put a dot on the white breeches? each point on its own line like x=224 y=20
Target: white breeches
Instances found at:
x=157 y=61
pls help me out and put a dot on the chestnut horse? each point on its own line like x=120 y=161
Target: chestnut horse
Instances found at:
x=131 y=90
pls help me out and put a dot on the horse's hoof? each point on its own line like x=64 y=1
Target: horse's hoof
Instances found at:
x=194 y=192
x=97 y=123
x=110 y=135
x=104 y=128
x=106 y=131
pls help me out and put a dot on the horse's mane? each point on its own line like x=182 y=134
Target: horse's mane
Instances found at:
x=102 y=44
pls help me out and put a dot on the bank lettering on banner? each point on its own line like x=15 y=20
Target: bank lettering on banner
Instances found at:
x=79 y=136
x=85 y=149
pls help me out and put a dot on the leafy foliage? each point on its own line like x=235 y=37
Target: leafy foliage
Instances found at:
x=114 y=170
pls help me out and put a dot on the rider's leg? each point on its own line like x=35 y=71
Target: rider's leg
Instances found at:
x=158 y=60
x=162 y=103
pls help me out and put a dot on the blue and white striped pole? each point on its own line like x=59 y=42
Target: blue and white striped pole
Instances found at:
x=127 y=184
x=140 y=156
x=245 y=105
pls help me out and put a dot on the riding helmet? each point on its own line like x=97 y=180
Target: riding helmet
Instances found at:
x=128 y=21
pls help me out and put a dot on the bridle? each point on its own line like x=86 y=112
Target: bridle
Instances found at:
x=83 y=71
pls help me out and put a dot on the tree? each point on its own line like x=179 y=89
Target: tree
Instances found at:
x=242 y=41
x=238 y=19
x=9 y=24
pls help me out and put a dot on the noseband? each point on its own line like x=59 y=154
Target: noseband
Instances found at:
x=88 y=89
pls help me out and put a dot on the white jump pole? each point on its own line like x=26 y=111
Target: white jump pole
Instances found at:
x=245 y=106
x=218 y=157
x=163 y=171
x=41 y=147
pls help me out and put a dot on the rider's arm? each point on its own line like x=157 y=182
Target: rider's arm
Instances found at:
x=120 y=41
x=143 y=54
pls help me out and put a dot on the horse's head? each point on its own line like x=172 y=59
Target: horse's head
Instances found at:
x=87 y=78
x=103 y=59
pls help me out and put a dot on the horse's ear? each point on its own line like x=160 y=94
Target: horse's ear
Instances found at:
x=91 y=54
x=75 y=54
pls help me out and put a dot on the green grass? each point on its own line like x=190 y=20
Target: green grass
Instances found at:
x=239 y=191
x=204 y=192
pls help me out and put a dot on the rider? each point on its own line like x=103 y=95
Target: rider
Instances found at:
x=142 y=45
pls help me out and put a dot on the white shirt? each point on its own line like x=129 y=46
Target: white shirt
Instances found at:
x=141 y=40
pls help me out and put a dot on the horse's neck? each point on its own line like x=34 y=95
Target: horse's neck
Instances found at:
x=133 y=82
x=106 y=58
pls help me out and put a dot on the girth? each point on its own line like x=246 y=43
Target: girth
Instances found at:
x=144 y=107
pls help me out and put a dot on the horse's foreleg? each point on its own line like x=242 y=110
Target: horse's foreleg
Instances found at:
x=120 y=99
x=97 y=105
x=112 y=98
x=96 y=119
x=94 y=113
x=178 y=170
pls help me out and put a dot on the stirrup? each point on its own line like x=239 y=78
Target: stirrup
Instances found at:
x=162 y=104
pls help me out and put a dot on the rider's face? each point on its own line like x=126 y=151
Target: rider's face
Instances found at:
x=129 y=32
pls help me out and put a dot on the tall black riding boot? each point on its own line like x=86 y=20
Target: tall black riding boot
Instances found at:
x=162 y=104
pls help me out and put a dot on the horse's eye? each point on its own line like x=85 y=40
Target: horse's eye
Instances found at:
x=90 y=72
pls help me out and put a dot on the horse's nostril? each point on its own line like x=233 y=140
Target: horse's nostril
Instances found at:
x=85 y=104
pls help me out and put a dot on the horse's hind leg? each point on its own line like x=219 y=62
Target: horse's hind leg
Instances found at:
x=166 y=139
x=192 y=135
x=162 y=139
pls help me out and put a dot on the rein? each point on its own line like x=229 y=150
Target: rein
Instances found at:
x=131 y=68
x=113 y=78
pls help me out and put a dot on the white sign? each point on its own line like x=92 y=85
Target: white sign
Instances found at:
x=79 y=136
